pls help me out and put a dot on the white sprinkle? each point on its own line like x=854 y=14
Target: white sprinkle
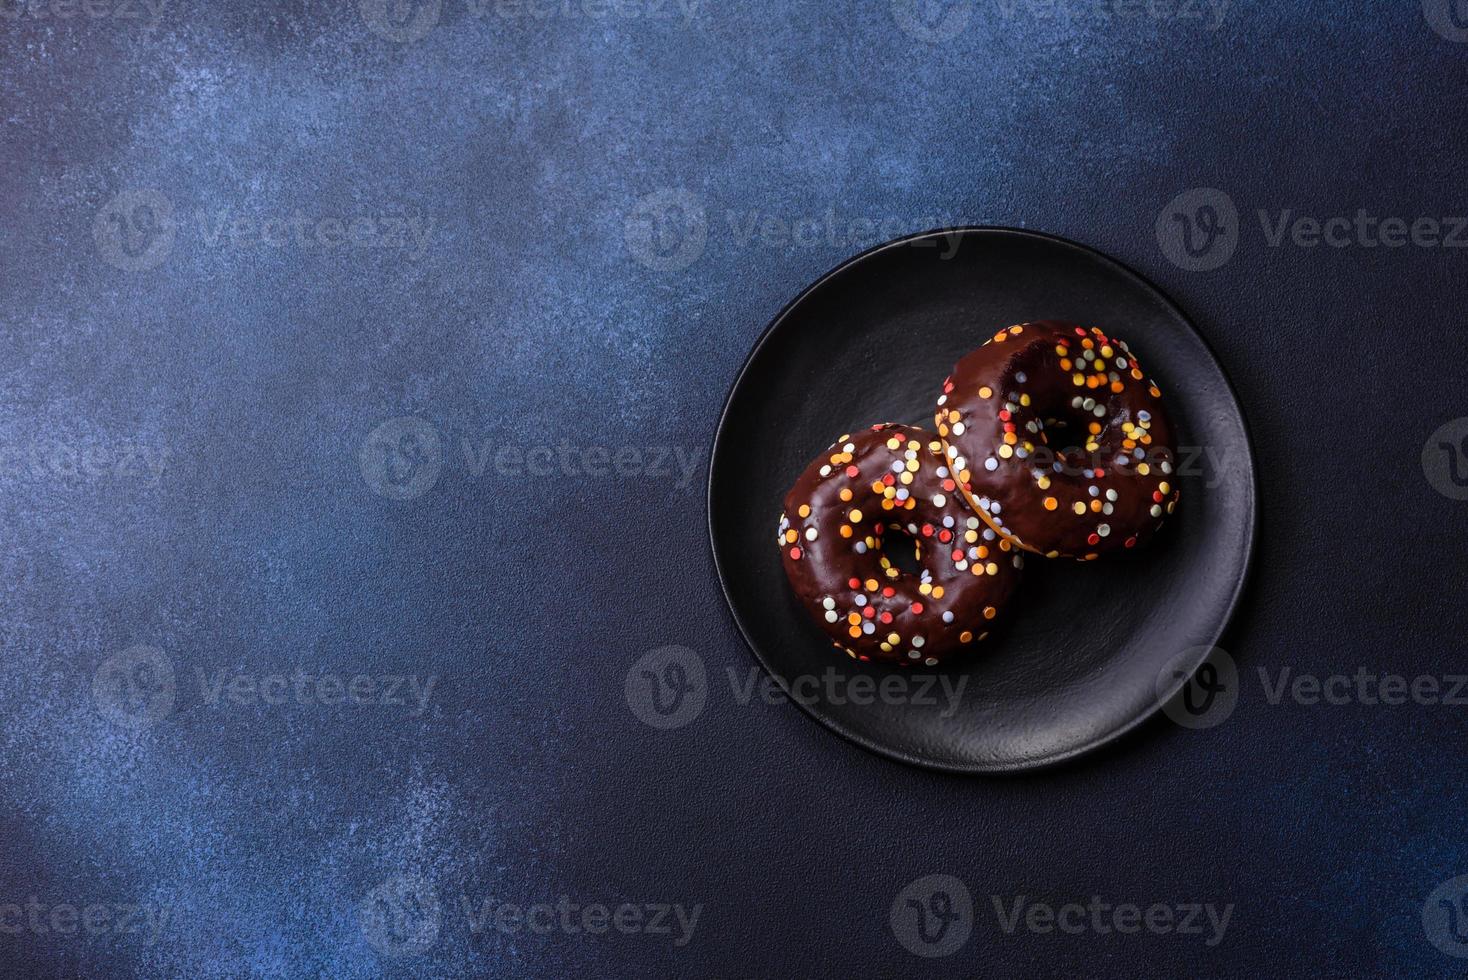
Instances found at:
x=1020 y=377
x=1111 y=495
x=1156 y=510
x=828 y=603
x=1103 y=529
x=942 y=472
x=958 y=428
x=1166 y=466
x=860 y=599
x=989 y=534
x=850 y=447
x=918 y=641
x=961 y=565
x=991 y=464
x=1094 y=491
x=903 y=493
x=931 y=661
x=1107 y=509
x=825 y=471
x=868 y=628
x=831 y=617
x=948 y=617
x=973 y=523
x=810 y=534
x=861 y=547
x=942 y=399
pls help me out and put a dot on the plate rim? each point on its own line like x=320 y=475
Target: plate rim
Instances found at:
x=908 y=758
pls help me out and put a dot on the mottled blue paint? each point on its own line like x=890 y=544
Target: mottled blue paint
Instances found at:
x=526 y=320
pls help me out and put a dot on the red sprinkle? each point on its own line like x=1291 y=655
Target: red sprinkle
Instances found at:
x=917 y=608
x=854 y=583
x=795 y=554
x=886 y=617
x=1093 y=539
x=852 y=471
x=889 y=592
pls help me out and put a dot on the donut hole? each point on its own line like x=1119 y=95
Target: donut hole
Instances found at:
x=902 y=550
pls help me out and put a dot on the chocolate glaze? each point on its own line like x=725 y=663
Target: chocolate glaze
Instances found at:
x=1015 y=418
x=967 y=572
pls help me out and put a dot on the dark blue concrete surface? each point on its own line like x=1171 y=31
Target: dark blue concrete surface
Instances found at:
x=236 y=239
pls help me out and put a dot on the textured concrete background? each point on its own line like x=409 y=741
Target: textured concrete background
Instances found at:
x=387 y=341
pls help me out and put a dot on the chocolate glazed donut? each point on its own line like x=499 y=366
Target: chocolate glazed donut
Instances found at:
x=1059 y=440
x=859 y=497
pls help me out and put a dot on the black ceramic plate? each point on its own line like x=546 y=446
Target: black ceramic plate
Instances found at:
x=1080 y=662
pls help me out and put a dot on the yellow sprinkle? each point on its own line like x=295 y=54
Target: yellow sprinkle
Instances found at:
x=845 y=493
x=985 y=391
x=871 y=585
x=1080 y=508
x=937 y=592
x=805 y=509
x=855 y=516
